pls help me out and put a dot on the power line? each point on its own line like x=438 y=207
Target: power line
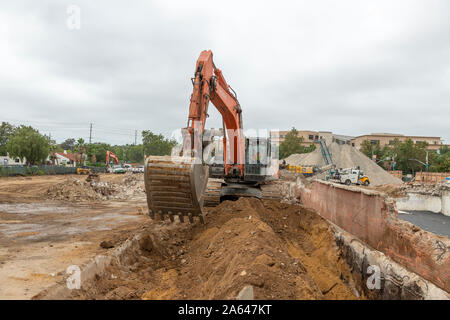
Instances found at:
x=76 y=128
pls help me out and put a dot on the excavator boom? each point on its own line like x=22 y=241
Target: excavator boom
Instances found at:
x=211 y=86
x=110 y=155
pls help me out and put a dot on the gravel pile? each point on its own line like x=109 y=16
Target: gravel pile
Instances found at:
x=345 y=156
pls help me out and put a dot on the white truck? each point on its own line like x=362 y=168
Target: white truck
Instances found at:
x=350 y=176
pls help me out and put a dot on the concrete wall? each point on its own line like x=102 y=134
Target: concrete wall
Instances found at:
x=445 y=203
x=419 y=202
x=372 y=218
x=395 y=281
x=425 y=202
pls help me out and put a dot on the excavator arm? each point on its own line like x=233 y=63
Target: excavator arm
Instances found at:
x=210 y=86
x=110 y=155
x=175 y=185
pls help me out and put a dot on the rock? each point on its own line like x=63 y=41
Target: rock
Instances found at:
x=246 y=294
x=106 y=244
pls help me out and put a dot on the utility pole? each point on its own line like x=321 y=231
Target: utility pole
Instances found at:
x=90 y=134
x=135 y=137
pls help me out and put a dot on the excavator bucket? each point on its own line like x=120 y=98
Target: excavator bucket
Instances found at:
x=175 y=187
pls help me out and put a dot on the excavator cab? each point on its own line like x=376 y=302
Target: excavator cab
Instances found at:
x=257 y=159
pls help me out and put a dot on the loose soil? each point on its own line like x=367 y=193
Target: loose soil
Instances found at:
x=283 y=250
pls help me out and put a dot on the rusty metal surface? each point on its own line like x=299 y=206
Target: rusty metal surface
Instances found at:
x=175 y=187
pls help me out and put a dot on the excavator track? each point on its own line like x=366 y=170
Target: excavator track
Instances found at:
x=175 y=187
x=271 y=190
x=212 y=192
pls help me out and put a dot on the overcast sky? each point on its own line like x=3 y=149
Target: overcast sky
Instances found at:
x=351 y=67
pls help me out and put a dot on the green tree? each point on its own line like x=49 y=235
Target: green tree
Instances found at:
x=292 y=144
x=98 y=150
x=68 y=144
x=6 y=132
x=440 y=161
x=80 y=145
x=409 y=155
x=134 y=153
x=27 y=142
x=370 y=149
x=156 y=144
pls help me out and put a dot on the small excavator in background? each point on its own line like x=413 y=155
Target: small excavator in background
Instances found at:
x=109 y=156
x=178 y=185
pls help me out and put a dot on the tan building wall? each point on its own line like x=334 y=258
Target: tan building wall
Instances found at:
x=308 y=136
x=431 y=177
x=434 y=143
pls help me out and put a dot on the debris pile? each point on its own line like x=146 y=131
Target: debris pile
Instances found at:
x=73 y=189
x=131 y=179
x=398 y=191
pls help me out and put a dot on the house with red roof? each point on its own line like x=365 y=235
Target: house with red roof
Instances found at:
x=66 y=159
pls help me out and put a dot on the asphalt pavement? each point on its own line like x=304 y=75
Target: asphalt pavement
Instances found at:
x=429 y=221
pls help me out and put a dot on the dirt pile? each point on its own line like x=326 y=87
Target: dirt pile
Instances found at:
x=345 y=156
x=73 y=189
x=284 y=251
x=131 y=179
x=430 y=189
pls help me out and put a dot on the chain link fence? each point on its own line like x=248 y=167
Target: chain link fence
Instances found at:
x=7 y=171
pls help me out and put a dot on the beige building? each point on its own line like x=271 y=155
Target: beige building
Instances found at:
x=434 y=143
x=309 y=136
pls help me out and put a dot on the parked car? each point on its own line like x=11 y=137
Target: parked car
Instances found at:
x=138 y=169
x=118 y=169
x=128 y=167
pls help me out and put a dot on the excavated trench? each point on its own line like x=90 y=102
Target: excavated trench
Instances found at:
x=284 y=251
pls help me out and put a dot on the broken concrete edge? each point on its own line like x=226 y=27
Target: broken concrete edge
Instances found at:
x=352 y=188
x=372 y=217
x=395 y=281
x=95 y=267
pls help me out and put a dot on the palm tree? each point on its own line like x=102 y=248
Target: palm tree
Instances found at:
x=81 y=149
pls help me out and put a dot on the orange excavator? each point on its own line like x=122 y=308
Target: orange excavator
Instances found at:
x=178 y=185
x=109 y=156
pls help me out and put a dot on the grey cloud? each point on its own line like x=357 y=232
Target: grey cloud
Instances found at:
x=349 y=68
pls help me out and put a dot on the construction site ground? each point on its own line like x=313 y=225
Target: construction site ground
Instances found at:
x=283 y=250
x=40 y=238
